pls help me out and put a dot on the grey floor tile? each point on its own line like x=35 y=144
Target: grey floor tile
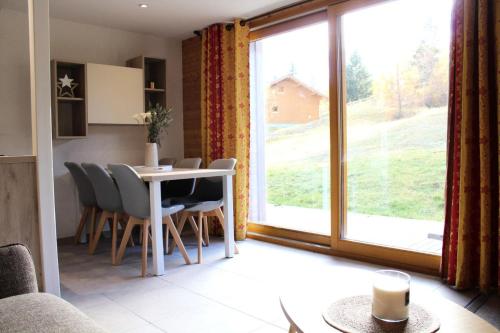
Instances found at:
x=270 y=329
x=221 y=295
x=114 y=317
x=490 y=311
x=213 y=318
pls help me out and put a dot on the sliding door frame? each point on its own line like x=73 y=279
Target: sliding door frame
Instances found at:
x=277 y=234
x=400 y=257
x=336 y=244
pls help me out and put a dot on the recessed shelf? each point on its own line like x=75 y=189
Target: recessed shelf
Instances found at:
x=71 y=99
x=153 y=90
x=154 y=75
x=69 y=114
x=71 y=137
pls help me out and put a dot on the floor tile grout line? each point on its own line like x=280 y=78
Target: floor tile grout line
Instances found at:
x=480 y=298
x=125 y=308
x=226 y=305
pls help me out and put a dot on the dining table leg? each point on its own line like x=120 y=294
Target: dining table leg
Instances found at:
x=156 y=227
x=227 y=184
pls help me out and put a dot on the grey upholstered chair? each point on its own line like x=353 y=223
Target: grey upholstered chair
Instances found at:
x=182 y=187
x=135 y=199
x=109 y=201
x=167 y=161
x=17 y=271
x=206 y=201
x=24 y=309
x=87 y=199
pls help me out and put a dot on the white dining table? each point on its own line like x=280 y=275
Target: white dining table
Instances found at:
x=155 y=178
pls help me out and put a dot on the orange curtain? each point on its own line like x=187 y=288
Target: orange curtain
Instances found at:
x=470 y=245
x=225 y=107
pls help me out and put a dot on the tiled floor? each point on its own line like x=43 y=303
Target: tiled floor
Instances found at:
x=221 y=295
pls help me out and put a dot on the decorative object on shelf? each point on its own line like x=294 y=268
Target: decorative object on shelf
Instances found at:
x=66 y=87
x=353 y=314
x=152 y=85
x=156 y=120
x=391 y=295
x=69 y=99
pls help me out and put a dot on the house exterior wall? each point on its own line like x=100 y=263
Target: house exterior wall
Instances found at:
x=291 y=103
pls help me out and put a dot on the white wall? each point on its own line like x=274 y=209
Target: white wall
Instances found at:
x=15 y=112
x=78 y=42
x=105 y=144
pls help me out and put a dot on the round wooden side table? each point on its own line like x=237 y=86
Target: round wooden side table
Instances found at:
x=304 y=313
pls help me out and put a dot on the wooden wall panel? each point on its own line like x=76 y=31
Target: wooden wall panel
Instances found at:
x=19 y=206
x=191 y=86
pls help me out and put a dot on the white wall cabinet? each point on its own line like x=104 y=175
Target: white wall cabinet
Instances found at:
x=114 y=94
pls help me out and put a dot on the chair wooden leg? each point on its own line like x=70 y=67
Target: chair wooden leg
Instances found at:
x=200 y=237
x=122 y=220
x=180 y=227
x=195 y=227
x=145 y=236
x=205 y=230
x=220 y=217
x=167 y=236
x=192 y=222
x=93 y=217
x=177 y=238
x=83 y=220
x=126 y=235
x=97 y=235
x=114 y=236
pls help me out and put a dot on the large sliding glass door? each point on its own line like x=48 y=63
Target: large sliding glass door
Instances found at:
x=291 y=151
x=389 y=67
x=349 y=123
x=394 y=106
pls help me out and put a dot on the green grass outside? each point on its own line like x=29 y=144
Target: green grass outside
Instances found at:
x=392 y=171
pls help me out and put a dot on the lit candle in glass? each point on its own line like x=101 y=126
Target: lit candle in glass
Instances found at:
x=391 y=295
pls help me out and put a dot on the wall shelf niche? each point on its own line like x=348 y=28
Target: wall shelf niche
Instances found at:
x=69 y=113
x=154 y=79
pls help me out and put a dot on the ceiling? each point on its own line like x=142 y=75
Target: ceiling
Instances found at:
x=166 y=18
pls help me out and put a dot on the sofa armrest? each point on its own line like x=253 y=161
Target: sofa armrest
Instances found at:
x=17 y=271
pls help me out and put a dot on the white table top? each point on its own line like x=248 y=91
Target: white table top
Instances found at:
x=177 y=173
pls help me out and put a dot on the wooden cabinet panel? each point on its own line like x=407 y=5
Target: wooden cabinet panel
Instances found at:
x=19 y=206
x=114 y=93
x=191 y=90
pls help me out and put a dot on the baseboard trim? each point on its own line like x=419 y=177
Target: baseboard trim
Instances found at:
x=328 y=250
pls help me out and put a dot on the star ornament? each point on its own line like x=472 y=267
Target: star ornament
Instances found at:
x=66 y=87
x=66 y=81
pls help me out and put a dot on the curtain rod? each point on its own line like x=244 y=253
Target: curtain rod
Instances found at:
x=274 y=11
x=229 y=26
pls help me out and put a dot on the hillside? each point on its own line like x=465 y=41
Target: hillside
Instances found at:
x=392 y=171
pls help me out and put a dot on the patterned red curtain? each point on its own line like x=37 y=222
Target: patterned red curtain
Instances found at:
x=470 y=255
x=225 y=107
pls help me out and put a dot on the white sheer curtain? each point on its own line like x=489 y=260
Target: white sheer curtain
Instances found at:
x=257 y=209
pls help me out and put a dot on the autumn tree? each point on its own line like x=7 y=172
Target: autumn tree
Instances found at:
x=432 y=80
x=420 y=81
x=359 y=82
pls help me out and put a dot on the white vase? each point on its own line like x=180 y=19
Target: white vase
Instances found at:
x=151 y=158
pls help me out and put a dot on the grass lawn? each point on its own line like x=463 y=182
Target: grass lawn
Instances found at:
x=395 y=168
